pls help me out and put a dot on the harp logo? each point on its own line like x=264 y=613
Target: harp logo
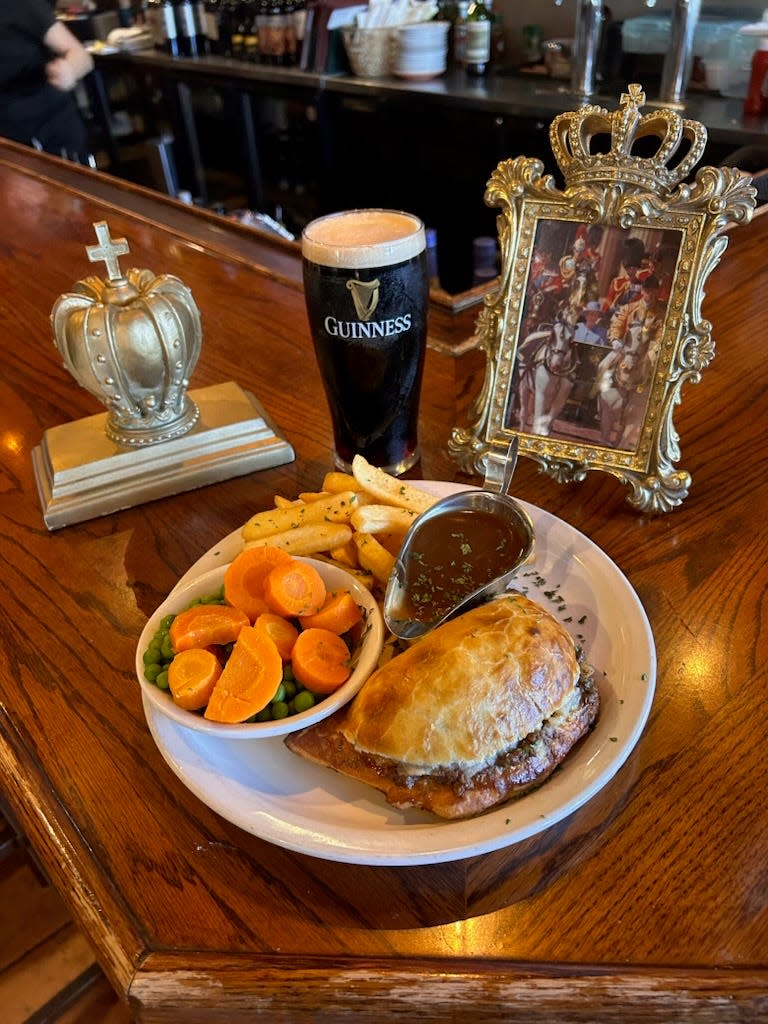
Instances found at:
x=365 y=295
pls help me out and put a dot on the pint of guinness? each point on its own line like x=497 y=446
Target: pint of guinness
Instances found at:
x=367 y=295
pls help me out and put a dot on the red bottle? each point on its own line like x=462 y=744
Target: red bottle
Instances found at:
x=756 y=101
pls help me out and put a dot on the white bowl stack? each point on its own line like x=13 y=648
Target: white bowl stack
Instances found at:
x=421 y=50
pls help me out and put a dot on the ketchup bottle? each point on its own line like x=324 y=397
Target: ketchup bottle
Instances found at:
x=756 y=101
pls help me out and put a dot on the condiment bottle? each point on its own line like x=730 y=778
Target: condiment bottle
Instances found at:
x=460 y=35
x=756 y=101
x=478 y=39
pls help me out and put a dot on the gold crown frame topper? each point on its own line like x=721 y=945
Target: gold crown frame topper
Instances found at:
x=596 y=324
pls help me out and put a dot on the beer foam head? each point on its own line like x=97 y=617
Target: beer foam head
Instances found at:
x=359 y=239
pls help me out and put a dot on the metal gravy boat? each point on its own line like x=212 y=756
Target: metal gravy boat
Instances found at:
x=492 y=498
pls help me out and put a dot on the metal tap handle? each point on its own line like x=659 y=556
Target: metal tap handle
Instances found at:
x=586 y=42
x=677 y=64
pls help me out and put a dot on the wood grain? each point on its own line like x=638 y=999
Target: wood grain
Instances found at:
x=650 y=903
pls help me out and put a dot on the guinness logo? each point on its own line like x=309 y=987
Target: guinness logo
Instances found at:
x=365 y=295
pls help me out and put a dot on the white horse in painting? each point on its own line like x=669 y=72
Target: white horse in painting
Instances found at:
x=620 y=400
x=546 y=379
x=614 y=393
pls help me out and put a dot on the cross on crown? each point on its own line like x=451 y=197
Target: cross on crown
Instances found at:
x=107 y=250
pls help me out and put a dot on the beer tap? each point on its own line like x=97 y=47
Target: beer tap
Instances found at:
x=586 y=42
x=677 y=64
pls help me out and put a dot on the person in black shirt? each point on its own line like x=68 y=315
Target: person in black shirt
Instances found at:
x=41 y=62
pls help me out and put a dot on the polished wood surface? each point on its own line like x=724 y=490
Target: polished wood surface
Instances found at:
x=647 y=904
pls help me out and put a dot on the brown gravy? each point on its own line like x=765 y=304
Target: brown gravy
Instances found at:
x=452 y=556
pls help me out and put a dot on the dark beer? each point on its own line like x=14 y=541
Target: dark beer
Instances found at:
x=367 y=294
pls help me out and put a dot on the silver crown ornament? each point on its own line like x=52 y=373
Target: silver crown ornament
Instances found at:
x=132 y=341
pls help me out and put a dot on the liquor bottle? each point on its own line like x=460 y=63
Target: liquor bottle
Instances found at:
x=186 y=28
x=291 y=57
x=448 y=10
x=239 y=26
x=251 y=34
x=460 y=35
x=277 y=22
x=299 y=25
x=213 y=13
x=169 y=36
x=264 y=31
x=227 y=26
x=478 y=39
x=153 y=23
x=202 y=38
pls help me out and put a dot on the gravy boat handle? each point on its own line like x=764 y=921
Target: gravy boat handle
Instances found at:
x=499 y=469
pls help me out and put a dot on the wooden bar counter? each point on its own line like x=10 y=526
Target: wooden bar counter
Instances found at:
x=648 y=903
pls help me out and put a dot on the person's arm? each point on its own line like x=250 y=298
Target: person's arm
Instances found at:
x=72 y=61
x=619 y=322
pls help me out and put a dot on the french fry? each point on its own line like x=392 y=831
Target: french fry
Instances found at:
x=363 y=577
x=311 y=539
x=316 y=495
x=389 y=489
x=281 y=502
x=374 y=556
x=382 y=519
x=346 y=554
x=391 y=541
x=336 y=509
x=335 y=482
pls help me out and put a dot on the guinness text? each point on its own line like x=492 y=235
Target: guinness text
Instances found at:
x=374 y=329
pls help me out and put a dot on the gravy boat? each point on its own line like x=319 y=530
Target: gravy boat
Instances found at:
x=491 y=498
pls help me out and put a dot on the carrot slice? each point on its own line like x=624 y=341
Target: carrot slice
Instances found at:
x=294 y=589
x=192 y=676
x=339 y=613
x=206 y=624
x=283 y=632
x=245 y=577
x=320 y=660
x=249 y=680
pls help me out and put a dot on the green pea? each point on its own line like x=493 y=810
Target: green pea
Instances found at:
x=290 y=688
x=151 y=671
x=161 y=680
x=167 y=649
x=165 y=623
x=265 y=715
x=279 y=710
x=303 y=701
x=288 y=675
x=279 y=695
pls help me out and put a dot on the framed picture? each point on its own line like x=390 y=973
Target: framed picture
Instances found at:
x=596 y=324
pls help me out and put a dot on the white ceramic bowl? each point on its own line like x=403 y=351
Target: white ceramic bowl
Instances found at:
x=420 y=66
x=366 y=657
x=420 y=75
x=423 y=33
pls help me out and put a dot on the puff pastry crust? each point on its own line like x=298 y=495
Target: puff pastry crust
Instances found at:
x=481 y=709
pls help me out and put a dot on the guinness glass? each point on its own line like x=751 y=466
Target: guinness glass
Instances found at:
x=367 y=295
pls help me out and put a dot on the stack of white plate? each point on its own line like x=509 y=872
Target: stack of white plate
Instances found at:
x=421 y=50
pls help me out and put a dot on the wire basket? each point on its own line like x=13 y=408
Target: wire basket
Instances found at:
x=370 y=50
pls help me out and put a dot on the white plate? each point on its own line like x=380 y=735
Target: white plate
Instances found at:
x=266 y=790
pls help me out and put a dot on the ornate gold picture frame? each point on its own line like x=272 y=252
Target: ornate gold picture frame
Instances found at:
x=596 y=324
